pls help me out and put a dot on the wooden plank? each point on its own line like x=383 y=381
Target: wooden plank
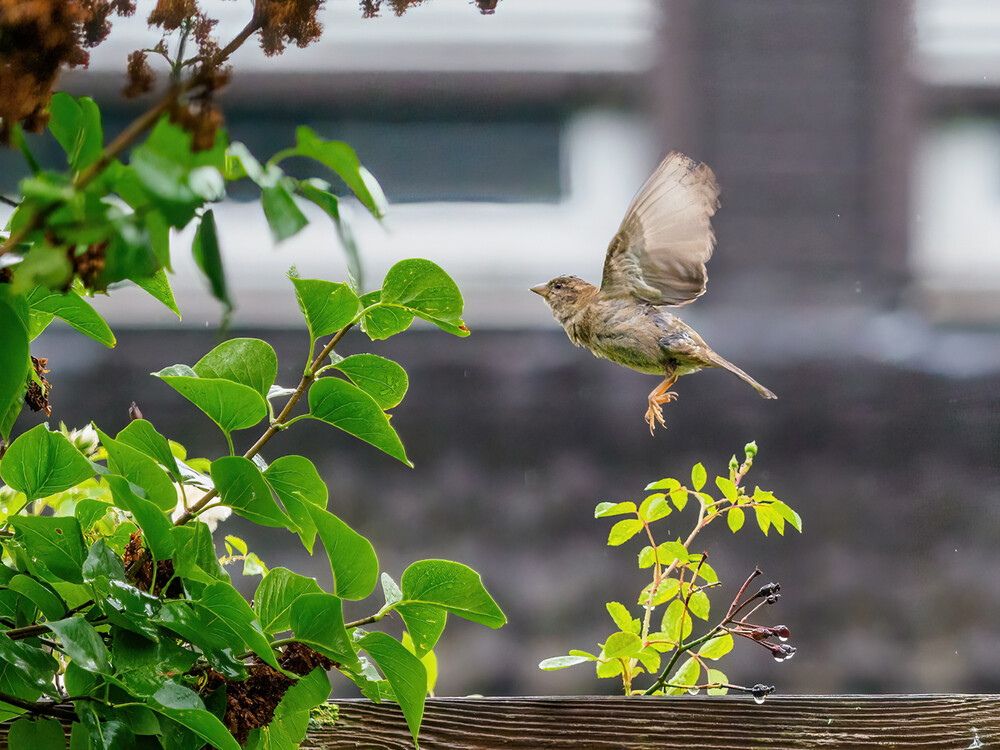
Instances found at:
x=808 y=722
x=694 y=723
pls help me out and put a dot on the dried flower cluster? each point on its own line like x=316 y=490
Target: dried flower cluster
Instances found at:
x=38 y=38
x=288 y=21
x=37 y=396
x=251 y=703
x=371 y=8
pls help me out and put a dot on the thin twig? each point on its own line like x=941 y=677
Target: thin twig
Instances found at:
x=47 y=709
x=682 y=648
x=279 y=422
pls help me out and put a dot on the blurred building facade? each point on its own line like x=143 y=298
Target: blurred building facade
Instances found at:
x=857 y=147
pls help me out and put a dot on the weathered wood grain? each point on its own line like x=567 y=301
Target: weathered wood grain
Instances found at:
x=692 y=723
x=849 y=722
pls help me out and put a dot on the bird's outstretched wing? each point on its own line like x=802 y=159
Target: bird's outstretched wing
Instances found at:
x=666 y=237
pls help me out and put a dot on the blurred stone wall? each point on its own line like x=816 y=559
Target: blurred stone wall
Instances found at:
x=516 y=436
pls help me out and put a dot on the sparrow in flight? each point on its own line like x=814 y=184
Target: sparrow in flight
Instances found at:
x=656 y=261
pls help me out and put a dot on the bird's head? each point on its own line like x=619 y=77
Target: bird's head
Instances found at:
x=566 y=295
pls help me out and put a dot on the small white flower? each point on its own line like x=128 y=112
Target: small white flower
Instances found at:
x=85 y=440
x=211 y=517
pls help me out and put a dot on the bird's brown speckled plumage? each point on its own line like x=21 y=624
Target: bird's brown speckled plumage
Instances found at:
x=655 y=261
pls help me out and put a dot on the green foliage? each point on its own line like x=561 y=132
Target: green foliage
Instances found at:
x=681 y=580
x=116 y=607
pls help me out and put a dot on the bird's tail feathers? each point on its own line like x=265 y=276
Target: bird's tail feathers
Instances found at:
x=726 y=364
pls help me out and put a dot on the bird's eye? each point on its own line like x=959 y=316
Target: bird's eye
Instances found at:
x=557 y=285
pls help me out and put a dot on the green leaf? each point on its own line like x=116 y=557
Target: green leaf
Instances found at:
x=667 y=552
x=209 y=258
x=128 y=607
x=603 y=510
x=352 y=557
x=44 y=597
x=318 y=621
x=89 y=511
x=326 y=306
x=391 y=591
x=243 y=489
x=297 y=484
x=405 y=674
x=706 y=571
x=230 y=405
x=283 y=216
x=341 y=159
x=31 y=663
x=669 y=485
x=679 y=498
x=717 y=647
x=72 y=308
x=673 y=618
x=424 y=623
x=15 y=362
x=102 y=561
x=186 y=708
x=54 y=542
x=38 y=734
x=624 y=530
x=622 y=646
x=156 y=527
x=180 y=617
x=275 y=595
x=423 y=288
x=76 y=124
x=82 y=644
x=698 y=604
x=382 y=322
x=609 y=668
x=561 y=662
x=382 y=379
x=142 y=436
x=654 y=508
x=14 y=682
x=158 y=287
x=451 y=586
x=735 y=517
x=194 y=554
x=40 y=463
x=140 y=470
x=291 y=717
x=649 y=657
x=698 y=477
x=240 y=163
x=787 y=513
x=249 y=362
x=173 y=173
x=224 y=610
x=727 y=488
x=105 y=734
x=685 y=676
x=717 y=675
x=350 y=409
x=622 y=617
x=764 y=518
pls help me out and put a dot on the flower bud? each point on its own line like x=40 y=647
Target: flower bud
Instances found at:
x=768 y=590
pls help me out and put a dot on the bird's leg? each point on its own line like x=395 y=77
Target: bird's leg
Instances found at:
x=660 y=395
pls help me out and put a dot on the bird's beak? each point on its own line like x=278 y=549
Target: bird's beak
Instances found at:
x=542 y=289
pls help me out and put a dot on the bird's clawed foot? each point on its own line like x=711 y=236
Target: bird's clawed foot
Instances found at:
x=659 y=396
